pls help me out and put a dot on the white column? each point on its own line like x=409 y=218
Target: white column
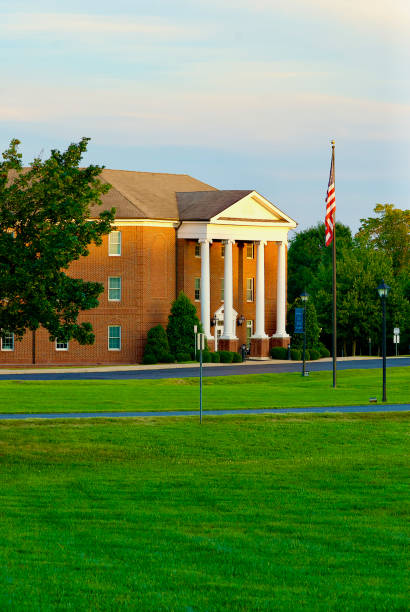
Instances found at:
x=281 y=293
x=260 y=291
x=228 y=292
x=205 y=289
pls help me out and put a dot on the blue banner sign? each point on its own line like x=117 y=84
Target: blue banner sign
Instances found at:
x=299 y=321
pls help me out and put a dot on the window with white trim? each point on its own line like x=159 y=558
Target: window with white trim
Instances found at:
x=61 y=345
x=114 y=243
x=222 y=289
x=249 y=332
x=249 y=251
x=249 y=289
x=114 y=288
x=114 y=337
x=197 y=289
x=7 y=341
x=197 y=250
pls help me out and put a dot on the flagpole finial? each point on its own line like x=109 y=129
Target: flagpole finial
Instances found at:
x=333 y=143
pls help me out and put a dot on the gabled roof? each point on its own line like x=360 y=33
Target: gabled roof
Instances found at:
x=203 y=205
x=146 y=195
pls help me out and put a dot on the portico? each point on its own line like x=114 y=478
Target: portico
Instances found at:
x=256 y=290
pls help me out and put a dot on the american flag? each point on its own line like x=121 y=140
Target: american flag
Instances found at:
x=330 y=205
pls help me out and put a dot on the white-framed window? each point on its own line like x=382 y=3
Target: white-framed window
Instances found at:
x=114 y=243
x=7 y=341
x=114 y=288
x=61 y=345
x=249 y=250
x=223 y=250
x=114 y=337
x=249 y=332
x=249 y=289
x=198 y=250
x=222 y=289
x=197 y=289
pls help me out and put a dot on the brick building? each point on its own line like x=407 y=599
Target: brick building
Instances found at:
x=225 y=249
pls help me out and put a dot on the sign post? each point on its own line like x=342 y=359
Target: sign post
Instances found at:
x=200 y=345
x=396 y=337
x=195 y=333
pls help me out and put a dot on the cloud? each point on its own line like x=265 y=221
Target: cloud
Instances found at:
x=90 y=24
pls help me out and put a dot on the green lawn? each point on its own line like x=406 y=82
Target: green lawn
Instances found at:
x=253 y=391
x=267 y=513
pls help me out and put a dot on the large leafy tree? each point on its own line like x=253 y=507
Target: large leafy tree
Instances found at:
x=307 y=252
x=44 y=226
x=388 y=232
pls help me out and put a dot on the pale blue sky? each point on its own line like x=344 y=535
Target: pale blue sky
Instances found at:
x=242 y=94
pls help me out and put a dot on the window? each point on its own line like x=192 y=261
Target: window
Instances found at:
x=61 y=345
x=249 y=251
x=7 y=341
x=249 y=289
x=223 y=250
x=197 y=250
x=114 y=288
x=114 y=338
x=222 y=289
x=249 y=332
x=114 y=243
x=197 y=289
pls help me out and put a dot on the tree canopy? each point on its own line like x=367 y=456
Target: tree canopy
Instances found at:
x=44 y=226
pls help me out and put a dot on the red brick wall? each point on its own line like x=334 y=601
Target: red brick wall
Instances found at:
x=147 y=268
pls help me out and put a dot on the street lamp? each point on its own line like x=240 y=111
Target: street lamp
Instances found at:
x=383 y=290
x=304 y=297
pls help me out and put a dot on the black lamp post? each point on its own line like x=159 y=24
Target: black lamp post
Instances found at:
x=383 y=290
x=304 y=297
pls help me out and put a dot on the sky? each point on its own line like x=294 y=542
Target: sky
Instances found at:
x=241 y=94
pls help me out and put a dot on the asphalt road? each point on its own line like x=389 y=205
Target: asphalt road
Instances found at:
x=176 y=413
x=268 y=367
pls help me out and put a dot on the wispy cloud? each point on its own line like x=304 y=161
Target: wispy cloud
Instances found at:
x=77 y=24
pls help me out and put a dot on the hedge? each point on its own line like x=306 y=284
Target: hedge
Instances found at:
x=279 y=352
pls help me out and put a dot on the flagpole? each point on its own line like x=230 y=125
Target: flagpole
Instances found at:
x=334 y=339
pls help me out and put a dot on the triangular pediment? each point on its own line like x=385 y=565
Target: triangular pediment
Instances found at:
x=253 y=208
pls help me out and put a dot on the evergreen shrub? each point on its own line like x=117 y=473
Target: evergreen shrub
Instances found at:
x=295 y=354
x=279 y=352
x=237 y=358
x=215 y=358
x=149 y=359
x=180 y=328
x=183 y=357
x=314 y=354
x=324 y=352
x=307 y=355
x=157 y=346
x=226 y=356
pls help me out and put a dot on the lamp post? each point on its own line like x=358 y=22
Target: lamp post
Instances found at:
x=304 y=297
x=383 y=290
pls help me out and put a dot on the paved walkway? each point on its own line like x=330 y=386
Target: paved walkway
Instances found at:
x=184 y=413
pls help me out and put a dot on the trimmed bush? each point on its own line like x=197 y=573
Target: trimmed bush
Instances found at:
x=307 y=355
x=183 y=357
x=296 y=354
x=237 y=358
x=278 y=352
x=157 y=345
x=226 y=356
x=149 y=359
x=314 y=354
x=166 y=358
x=215 y=358
x=180 y=328
x=324 y=352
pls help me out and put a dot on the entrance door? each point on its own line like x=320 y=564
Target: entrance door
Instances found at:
x=219 y=328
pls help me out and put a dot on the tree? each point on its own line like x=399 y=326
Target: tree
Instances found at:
x=157 y=347
x=180 y=328
x=389 y=233
x=311 y=322
x=307 y=252
x=44 y=226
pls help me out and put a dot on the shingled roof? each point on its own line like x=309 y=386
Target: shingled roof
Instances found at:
x=146 y=195
x=203 y=205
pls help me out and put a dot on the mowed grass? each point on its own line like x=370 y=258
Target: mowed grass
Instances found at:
x=354 y=387
x=243 y=513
